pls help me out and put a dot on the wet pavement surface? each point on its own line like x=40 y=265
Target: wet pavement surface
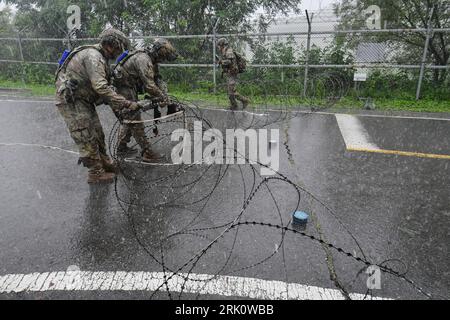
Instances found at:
x=395 y=207
x=413 y=135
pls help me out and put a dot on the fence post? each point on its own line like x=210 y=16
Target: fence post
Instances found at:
x=214 y=55
x=19 y=41
x=308 y=48
x=425 y=55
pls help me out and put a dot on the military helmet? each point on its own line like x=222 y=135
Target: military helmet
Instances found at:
x=222 y=42
x=115 y=38
x=162 y=49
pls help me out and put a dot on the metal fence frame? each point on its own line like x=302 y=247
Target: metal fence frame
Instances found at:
x=306 y=65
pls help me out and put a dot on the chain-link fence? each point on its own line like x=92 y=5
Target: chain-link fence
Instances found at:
x=304 y=63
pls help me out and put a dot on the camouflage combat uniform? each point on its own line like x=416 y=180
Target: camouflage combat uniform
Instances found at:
x=137 y=73
x=81 y=84
x=231 y=70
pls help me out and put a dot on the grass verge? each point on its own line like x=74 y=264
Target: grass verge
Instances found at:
x=220 y=100
x=39 y=90
x=347 y=103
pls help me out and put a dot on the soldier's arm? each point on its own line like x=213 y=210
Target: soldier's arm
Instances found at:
x=146 y=73
x=96 y=70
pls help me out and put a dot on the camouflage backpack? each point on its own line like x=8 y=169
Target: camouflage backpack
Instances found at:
x=67 y=57
x=241 y=62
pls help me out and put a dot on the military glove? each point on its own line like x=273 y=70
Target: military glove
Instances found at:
x=145 y=104
x=165 y=103
x=136 y=106
x=162 y=102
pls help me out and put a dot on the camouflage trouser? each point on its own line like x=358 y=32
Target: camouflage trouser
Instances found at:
x=135 y=130
x=86 y=131
x=233 y=94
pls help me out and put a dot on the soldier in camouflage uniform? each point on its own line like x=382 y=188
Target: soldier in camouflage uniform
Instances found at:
x=82 y=82
x=139 y=71
x=230 y=68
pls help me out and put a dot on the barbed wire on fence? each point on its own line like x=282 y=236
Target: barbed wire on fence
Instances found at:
x=362 y=50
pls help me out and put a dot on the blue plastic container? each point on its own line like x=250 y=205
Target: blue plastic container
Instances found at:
x=300 y=218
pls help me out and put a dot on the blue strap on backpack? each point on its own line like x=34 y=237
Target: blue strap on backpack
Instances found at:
x=122 y=56
x=64 y=56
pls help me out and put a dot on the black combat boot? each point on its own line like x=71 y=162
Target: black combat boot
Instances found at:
x=245 y=102
x=97 y=173
x=233 y=104
x=109 y=165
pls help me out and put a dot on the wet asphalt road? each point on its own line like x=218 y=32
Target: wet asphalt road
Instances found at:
x=395 y=207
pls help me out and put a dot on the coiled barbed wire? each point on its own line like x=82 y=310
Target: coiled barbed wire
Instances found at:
x=177 y=187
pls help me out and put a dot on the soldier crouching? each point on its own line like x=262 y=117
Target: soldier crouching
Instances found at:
x=82 y=82
x=140 y=70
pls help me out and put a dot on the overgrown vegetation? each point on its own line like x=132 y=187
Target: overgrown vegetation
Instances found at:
x=390 y=88
x=204 y=97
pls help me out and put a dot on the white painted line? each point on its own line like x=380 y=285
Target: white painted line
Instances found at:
x=28 y=101
x=287 y=110
x=354 y=134
x=334 y=114
x=74 y=153
x=240 y=111
x=37 y=146
x=226 y=286
x=254 y=114
x=390 y=117
x=77 y=154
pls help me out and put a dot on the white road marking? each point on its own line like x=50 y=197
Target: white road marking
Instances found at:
x=322 y=113
x=394 y=117
x=354 y=134
x=37 y=146
x=128 y=160
x=226 y=286
x=253 y=114
x=287 y=110
x=29 y=101
x=77 y=154
x=357 y=139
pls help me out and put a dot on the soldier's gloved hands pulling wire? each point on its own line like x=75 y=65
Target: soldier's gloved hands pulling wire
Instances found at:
x=137 y=107
x=161 y=102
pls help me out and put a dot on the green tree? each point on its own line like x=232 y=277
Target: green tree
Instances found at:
x=408 y=14
x=6 y=26
x=152 y=16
